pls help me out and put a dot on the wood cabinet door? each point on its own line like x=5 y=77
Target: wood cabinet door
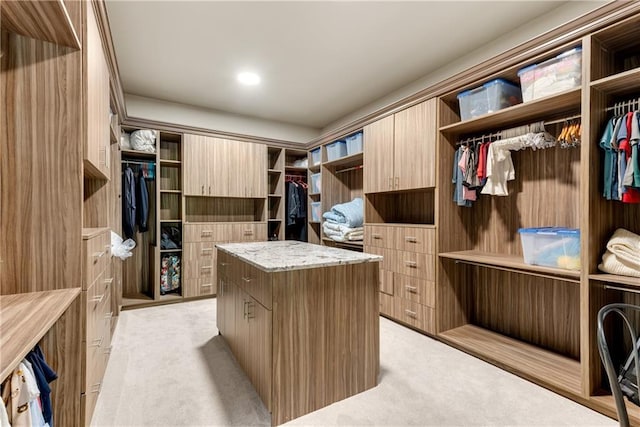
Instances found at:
x=222 y=168
x=255 y=167
x=378 y=156
x=97 y=140
x=415 y=146
x=196 y=164
x=260 y=319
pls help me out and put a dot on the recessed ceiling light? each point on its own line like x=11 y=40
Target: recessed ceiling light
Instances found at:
x=248 y=78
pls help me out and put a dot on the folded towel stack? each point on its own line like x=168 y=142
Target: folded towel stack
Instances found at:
x=623 y=254
x=344 y=221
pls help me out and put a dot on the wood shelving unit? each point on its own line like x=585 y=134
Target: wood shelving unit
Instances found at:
x=618 y=84
x=276 y=189
x=346 y=161
x=135 y=154
x=511 y=262
x=616 y=279
x=530 y=361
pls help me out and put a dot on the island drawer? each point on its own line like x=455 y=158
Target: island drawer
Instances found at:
x=257 y=284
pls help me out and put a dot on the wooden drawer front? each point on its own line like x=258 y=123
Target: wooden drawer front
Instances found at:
x=97 y=254
x=388 y=257
x=416 y=290
x=386 y=282
x=249 y=232
x=256 y=284
x=199 y=287
x=229 y=267
x=204 y=232
x=379 y=236
x=417 y=315
x=415 y=264
x=386 y=304
x=415 y=239
x=198 y=260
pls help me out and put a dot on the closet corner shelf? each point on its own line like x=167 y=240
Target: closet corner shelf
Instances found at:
x=530 y=361
x=274 y=220
x=315 y=168
x=511 y=262
x=624 y=83
x=170 y=163
x=163 y=251
x=171 y=191
x=527 y=111
x=314 y=194
x=41 y=20
x=275 y=195
x=170 y=220
x=135 y=154
x=347 y=161
x=614 y=278
x=295 y=169
x=314 y=222
x=354 y=244
x=274 y=171
x=26 y=318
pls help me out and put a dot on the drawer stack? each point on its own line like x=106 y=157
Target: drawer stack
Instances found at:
x=199 y=240
x=96 y=300
x=407 y=273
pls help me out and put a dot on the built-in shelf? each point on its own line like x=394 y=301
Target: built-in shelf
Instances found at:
x=314 y=222
x=355 y=244
x=274 y=171
x=170 y=250
x=170 y=297
x=115 y=129
x=314 y=194
x=138 y=154
x=170 y=220
x=171 y=191
x=315 y=168
x=531 y=111
x=171 y=163
x=347 y=161
x=532 y=362
x=41 y=20
x=137 y=300
x=274 y=220
x=295 y=169
x=619 y=84
x=90 y=233
x=26 y=318
x=400 y=224
x=607 y=404
x=513 y=263
x=614 y=278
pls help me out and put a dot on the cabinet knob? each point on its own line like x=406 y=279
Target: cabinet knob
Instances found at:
x=411 y=264
x=376 y=236
x=411 y=239
x=411 y=289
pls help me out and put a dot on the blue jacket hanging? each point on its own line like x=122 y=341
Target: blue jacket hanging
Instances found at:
x=128 y=203
x=142 y=197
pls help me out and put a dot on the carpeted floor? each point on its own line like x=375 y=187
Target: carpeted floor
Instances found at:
x=168 y=367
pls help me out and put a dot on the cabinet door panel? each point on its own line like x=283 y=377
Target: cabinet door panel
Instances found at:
x=415 y=146
x=255 y=166
x=378 y=155
x=196 y=164
x=260 y=342
x=380 y=236
x=222 y=168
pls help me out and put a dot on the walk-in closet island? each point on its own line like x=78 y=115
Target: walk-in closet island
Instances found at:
x=302 y=321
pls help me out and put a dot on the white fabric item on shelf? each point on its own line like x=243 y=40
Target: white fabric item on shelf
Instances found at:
x=143 y=140
x=622 y=256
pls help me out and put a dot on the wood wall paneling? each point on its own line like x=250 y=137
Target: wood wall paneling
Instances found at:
x=413 y=207
x=41 y=150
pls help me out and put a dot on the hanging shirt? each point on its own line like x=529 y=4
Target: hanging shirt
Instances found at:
x=627 y=194
x=142 y=207
x=458 y=180
x=463 y=164
x=128 y=203
x=499 y=170
x=635 y=146
x=609 y=158
x=44 y=375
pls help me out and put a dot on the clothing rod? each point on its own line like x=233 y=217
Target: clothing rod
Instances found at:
x=514 y=270
x=564 y=119
x=617 y=288
x=133 y=162
x=624 y=104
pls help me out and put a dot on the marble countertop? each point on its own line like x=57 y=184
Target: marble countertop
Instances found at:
x=293 y=255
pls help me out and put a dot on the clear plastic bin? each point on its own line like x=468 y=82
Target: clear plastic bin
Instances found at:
x=564 y=72
x=551 y=246
x=492 y=96
x=335 y=150
x=316 y=157
x=316 y=211
x=354 y=144
x=316 y=183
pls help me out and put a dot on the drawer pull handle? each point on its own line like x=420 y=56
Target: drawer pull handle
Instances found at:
x=411 y=264
x=411 y=239
x=207 y=251
x=108 y=281
x=97 y=342
x=206 y=267
x=206 y=233
x=108 y=315
x=206 y=285
x=224 y=264
x=108 y=350
x=98 y=299
x=411 y=289
x=247 y=306
x=98 y=255
x=248 y=232
x=410 y=313
x=246 y=279
x=376 y=236
x=96 y=388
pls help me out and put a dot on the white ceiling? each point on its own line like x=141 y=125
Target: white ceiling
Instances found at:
x=319 y=61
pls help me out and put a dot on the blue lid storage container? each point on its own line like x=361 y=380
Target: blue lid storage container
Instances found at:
x=354 y=144
x=557 y=247
x=488 y=98
x=335 y=150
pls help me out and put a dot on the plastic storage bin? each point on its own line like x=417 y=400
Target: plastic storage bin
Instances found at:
x=316 y=156
x=492 y=96
x=335 y=150
x=316 y=211
x=556 y=75
x=551 y=246
x=354 y=144
x=316 y=183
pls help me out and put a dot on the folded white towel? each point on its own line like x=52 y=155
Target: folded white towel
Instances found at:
x=623 y=254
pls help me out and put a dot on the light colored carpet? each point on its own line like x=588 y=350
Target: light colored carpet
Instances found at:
x=169 y=367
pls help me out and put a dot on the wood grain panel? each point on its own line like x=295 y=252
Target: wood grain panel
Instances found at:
x=378 y=155
x=170 y=206
x=416 y=290
x=386 y=304
x=542 y=312
x=41 y=154
x=380 y=236
x=43 y=20
x=97 y=200
x=414 y=207
x=343 y=349
x=340 y=187
x=416 y=315
x=415 y=146
x=170 y=178
x=223 y=209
